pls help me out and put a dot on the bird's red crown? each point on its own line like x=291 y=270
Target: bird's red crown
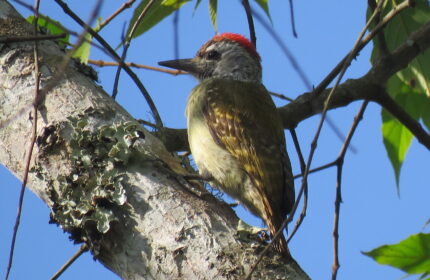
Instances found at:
x=244 y=42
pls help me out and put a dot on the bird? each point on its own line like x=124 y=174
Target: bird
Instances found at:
x=235 y=133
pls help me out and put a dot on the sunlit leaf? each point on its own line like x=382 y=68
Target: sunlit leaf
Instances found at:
x=411 y=255
x=53 y=27
x=83 y=52
x=413 y=82
x=197 y=5
x=158 y=11
x=264 y=4
x=397 y=138
x=397 y=31
x=213 y=5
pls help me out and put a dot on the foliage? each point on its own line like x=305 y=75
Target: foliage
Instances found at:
x=156 y=13
x=408 y=87
x=411 y=255
x=50 y=26
x=53 y=27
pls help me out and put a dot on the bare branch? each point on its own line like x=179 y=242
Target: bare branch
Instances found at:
x=305 y=198
x=339 y=163
x=75 y=256
x=126 y=45
x=32 y=140
x=124 y=6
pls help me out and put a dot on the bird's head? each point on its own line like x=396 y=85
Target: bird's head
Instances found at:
x=227 y=55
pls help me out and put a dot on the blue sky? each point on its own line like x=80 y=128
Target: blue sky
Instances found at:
x=372 y=214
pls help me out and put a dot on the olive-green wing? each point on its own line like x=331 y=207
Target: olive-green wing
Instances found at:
x=243 y=119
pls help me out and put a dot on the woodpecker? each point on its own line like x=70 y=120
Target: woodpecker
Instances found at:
x=235 y=133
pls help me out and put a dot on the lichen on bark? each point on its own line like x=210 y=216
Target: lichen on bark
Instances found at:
x=90 y=195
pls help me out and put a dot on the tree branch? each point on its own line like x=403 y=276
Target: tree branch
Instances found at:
x=158 y=226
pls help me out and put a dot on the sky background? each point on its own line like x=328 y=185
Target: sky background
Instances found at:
x=372 y=213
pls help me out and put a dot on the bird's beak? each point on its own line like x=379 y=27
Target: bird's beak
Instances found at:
x=189 y=65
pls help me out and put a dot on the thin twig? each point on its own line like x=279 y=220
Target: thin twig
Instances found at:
x=338 y=200
x=32 y=140
x=38 y=99
x=118 y=69
x=322 y=167
x=251 y=27
x=127 y=41
x=78 y=253
x=293 y=22
x=280 y=96
x=305 y=198
x=124 y=6
x=338 y=133
x=345 y=66
x=339 y=163
x=112 y=52
x=16 y=39
x=124 y=53
x=381 y=44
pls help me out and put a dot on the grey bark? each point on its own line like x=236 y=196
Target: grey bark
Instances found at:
x=109 y=182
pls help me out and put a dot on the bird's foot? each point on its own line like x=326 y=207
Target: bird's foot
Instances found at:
x=251 y=233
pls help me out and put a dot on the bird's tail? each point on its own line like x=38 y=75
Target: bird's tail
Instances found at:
x=279 y=244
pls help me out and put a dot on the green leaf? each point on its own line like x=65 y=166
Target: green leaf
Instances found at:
x=158 y=11
x=83 y=52
x=426 y=113
x=264 y=4
x=396 y=137
x=397 y=31
x=397 y=140
x=50 y=26
x=411 y=255
x=213 y=5
x=413 y=82
x=196 y=6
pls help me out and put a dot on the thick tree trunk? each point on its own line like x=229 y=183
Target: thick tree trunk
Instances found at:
x=109 y=182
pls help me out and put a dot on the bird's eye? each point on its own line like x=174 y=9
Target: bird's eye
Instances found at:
x=213 y=55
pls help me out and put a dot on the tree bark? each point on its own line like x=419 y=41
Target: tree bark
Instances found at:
x=109 y=182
